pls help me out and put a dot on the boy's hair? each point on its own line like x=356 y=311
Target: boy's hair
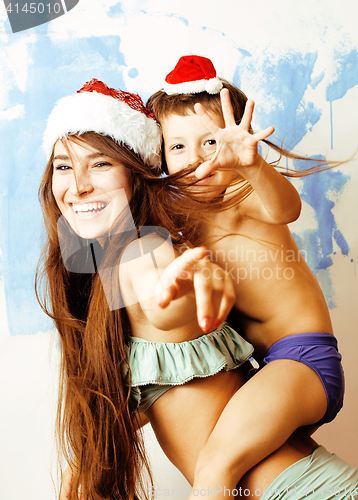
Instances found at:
x=163 y=105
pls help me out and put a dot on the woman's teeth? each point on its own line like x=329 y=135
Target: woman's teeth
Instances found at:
x=88 y=208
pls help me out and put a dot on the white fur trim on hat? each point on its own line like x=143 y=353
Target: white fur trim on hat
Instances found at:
x=95 y=112
x=212 y=86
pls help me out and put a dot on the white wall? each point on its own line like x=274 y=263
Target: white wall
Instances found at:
x=297 y=60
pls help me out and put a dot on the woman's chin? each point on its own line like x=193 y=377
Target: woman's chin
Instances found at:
x=89 y=228
x=91 y=235
x=89 y=231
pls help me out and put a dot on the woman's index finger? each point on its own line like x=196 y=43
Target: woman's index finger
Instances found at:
x=182 y=264
x=191 y=256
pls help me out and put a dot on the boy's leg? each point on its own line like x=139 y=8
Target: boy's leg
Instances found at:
x=259 y=418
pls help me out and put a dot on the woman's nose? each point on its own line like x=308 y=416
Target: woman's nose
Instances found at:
x=81 y=182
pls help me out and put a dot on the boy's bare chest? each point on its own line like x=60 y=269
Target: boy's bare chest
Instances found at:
x=225 y=231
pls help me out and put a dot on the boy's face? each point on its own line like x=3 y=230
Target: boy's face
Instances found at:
x=188 y=142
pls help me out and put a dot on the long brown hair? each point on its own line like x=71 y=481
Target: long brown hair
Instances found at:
x=96 y=426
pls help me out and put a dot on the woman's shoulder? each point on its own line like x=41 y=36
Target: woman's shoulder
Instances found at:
x=152 y=247
x=144 y=257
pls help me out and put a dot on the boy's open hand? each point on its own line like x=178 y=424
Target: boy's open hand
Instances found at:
x=236 y=147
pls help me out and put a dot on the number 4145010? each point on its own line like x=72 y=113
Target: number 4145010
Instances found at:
x=34 y=8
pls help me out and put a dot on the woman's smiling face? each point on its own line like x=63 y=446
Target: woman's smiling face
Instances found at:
x=90 y=188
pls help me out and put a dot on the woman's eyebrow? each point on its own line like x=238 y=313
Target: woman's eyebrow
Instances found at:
x=61 y=157
x=90 y=156
x=95 y=155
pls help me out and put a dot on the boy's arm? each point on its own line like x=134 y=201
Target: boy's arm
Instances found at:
x=274 y=199
x=173 y=290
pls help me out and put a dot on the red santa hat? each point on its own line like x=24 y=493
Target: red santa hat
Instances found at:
x=115 y=113
x=191 y=75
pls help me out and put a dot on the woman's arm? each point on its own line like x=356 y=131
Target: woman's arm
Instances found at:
x=174 y=289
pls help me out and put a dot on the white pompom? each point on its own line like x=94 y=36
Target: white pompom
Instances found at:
x=213 y=86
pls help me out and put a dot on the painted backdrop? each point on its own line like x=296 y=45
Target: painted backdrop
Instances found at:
x=297 y=60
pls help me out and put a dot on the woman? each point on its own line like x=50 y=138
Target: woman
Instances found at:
x=98 y=142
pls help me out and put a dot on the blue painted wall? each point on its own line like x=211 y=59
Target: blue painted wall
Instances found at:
x=56 y=67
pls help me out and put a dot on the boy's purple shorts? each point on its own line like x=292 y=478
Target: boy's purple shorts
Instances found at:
x=319 y=352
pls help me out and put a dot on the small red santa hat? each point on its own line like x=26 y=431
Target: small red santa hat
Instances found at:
x=115 y=113
x=191 y=75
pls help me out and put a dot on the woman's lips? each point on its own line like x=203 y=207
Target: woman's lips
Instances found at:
x=88 y=209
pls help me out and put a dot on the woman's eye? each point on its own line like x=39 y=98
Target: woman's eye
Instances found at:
x=210 y=142
x=62 y=167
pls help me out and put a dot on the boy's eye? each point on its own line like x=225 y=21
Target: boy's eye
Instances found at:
x=177 y=146
x=210 y=142
x=102 y=164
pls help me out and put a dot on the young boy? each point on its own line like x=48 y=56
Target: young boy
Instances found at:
x=280 y=306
